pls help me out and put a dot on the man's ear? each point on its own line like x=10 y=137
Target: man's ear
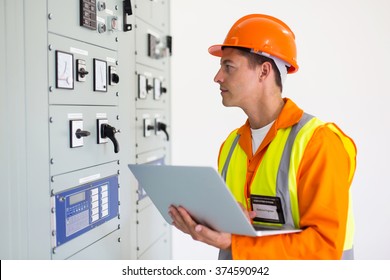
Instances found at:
x=265 y=70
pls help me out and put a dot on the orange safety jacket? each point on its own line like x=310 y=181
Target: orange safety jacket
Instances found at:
x=317 y=198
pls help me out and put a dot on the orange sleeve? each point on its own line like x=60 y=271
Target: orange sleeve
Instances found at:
x=323 y=196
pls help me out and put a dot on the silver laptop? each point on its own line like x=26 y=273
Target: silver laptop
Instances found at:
x=202 y=192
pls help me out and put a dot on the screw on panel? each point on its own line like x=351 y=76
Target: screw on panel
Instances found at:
x=118 y=162
x=50 y=47
x=54 y=250
x=119 y=239
x=50 y=16
x=52 y=161
x=51 y=89
x=116 y=7
x=116 y=39
x=119 y=226
x=53 y=233
x=51 y=120
x=117 y=93
x=117 y=117
x=52 y=178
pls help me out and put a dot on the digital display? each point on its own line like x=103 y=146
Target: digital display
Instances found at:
x=76 y=198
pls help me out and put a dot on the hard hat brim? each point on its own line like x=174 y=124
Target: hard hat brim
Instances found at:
x=216 y=50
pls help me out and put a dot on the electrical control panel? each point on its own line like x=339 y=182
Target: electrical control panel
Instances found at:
x=92 y=84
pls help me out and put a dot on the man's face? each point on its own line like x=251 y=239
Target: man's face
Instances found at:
x=238 y=82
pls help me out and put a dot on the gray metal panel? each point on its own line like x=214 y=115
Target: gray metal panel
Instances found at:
x=37 y=134
x=150 y=156
x=150 y=225
x=160 y=250
x=13 y=201
x=126 y=58
x=66 y=181
x=25 y=217
x=107 y=248
x=155 y=13
x=141 y=45
x=83 y=91
x=64 y=20
x=66 y=159
x=81 y=242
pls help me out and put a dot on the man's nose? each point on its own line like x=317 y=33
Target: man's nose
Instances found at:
x=218 y=77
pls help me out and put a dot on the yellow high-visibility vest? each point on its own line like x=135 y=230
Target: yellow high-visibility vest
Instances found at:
x=276 y=174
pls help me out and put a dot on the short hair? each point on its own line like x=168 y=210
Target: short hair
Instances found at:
x=257 y=59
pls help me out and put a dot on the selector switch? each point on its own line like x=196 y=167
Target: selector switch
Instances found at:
x=108 y=131
x=100 y=139
x=77 y=133
x=81 y=70
x=114 y=77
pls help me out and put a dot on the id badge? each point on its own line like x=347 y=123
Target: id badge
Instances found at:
x=268 y=209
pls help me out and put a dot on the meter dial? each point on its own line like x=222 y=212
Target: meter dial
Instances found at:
x=64 y=70
x=100 y=75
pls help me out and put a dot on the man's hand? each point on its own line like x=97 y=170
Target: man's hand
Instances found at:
x=184 y=222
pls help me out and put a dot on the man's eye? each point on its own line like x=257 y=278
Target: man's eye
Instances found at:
x=228 y=67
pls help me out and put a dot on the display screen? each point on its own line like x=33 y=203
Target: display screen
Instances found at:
x=76 y=198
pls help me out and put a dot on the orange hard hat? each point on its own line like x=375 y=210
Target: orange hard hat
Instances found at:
x=264 y=35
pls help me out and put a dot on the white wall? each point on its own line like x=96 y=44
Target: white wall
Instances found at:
x=344 y=58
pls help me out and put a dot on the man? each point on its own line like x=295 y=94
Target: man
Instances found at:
x=289 y=166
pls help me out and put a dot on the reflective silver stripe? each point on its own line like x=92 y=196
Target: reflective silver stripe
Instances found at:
x=282 y=186
x=225 y=254
x=348 y=255
x=227 y=161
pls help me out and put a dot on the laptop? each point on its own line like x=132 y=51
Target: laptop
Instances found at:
x=202 y=192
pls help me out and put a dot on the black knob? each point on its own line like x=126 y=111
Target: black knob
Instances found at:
x=83 y=72
x=82 y=133
x=108 y=131
x=115 y=78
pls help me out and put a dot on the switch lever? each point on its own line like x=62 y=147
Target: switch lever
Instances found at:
x=109 y=132
x=163 y=127
x=82 y=133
